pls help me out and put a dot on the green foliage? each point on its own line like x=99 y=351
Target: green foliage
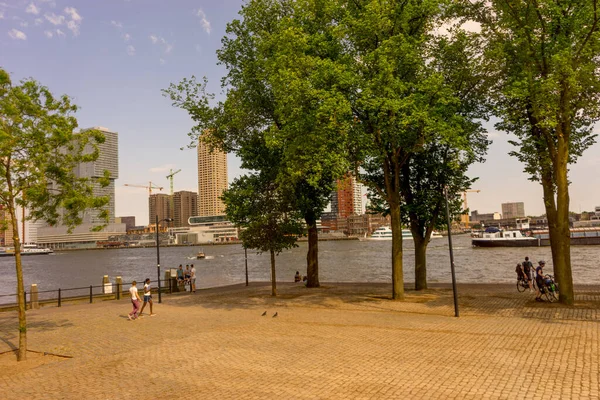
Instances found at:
x=38 y=154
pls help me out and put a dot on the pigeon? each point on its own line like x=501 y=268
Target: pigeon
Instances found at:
x=274 y=315
x=263 y=314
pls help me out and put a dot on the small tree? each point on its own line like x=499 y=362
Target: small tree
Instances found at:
x=38 y=154
x=256 y=204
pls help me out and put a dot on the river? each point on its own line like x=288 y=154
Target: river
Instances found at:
x=339 y=261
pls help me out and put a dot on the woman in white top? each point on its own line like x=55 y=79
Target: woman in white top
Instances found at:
x=135 y=300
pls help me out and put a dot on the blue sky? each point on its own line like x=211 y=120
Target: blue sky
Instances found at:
x=114 y=57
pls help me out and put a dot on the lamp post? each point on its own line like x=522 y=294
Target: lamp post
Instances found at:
x=158 y=253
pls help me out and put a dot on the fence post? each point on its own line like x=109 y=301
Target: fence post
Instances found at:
x=59 y=297
x=25 y=298
x=33 y=297
x=119 y=283
x=91 y=294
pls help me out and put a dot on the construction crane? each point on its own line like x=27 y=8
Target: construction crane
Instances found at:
x=150 y=186
x=465 y=217
x=170 y=178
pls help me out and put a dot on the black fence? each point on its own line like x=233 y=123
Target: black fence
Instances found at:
x=109 y=291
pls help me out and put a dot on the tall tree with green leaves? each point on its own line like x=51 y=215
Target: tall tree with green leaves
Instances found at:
x=274 y=56
x=261 y=207
x=547 y=95
x=38 y=153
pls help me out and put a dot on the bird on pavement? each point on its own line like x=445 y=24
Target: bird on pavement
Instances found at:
x=274 y=315
x=263 y=314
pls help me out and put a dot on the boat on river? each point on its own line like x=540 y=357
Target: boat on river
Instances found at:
x=494 y=237
x=26 y=250
x=385 y=233
x=200 y=255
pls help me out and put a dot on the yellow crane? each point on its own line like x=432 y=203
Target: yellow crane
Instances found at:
x=150 y=186
x=465 y=217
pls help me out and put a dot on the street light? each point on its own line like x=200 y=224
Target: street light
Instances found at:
x=158 y=252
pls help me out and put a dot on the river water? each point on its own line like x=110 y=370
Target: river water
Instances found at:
x=339 y=261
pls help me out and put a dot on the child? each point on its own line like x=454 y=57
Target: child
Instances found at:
x=135 y=300
x=147 y=297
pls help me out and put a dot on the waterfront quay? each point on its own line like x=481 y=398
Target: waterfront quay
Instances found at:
x=341 y=341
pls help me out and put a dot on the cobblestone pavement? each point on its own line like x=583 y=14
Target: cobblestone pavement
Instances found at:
x=343 y=341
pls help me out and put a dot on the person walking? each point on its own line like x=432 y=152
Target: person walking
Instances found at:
x=147 y=297
x=528 y=270
x=135 y=300
x=193 y=278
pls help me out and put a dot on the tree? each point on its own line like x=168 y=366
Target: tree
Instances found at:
x=261 y=207
x=38 y=154
x=274 y=57
x=547 y=95
x=395 y=96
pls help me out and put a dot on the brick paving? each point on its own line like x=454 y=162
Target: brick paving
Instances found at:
x=343 y=341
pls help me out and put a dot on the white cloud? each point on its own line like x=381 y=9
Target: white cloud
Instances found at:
x=162 y=61
x=17 y=34
x=60 y=33
x=38 y=21
x=55 y=19
x=154 y=39
x=72 y=12
x=130 y=50
x=24 y=24
x=204 y=22
x=49 y=34
x=1 y=14
x=163 y=42
x=127 y=37
x=116 y=24
x=73 y=27
x=168 y=48
x=32 y=9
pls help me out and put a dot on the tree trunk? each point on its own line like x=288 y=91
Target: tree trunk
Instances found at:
x=420 y=262
x=312 y=257
x=397 y=273
x=22 y=353
x=273 y=278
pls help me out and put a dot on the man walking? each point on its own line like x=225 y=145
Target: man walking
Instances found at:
x=193 y=278
x=147 y=297
x=528 y=270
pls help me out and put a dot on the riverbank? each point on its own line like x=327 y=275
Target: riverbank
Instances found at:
x=342 y=341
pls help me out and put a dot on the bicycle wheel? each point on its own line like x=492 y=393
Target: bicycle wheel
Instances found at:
x=521 y=285
x=552 y=297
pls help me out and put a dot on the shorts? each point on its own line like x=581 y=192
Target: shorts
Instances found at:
x=147 y=298
x=194 y=281
x=528 y=275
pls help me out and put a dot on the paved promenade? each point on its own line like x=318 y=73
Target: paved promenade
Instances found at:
x=343 y=341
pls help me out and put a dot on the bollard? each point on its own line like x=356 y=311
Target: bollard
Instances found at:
x=106 y=285
x=33 y=297
x=119 y=283
x=91 y=294
x=59 y=297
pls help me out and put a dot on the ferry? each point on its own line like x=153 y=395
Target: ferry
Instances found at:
x=385 y=233
x=26 y=250
x=494 y=237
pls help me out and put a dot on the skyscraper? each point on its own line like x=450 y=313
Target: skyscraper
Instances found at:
x=212 y=181
x=186 y=206
x=108 y=160
x=159 y=204
x=513 y=210
x=346 y=200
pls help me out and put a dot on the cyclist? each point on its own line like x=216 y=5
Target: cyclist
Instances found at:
x=539 y=279
x=527 y=269
x=519 y=271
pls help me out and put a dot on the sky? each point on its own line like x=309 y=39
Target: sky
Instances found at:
x=113 y=57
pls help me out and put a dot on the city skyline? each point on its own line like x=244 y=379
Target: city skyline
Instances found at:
x=114 y=59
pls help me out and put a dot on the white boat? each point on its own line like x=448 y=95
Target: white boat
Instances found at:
x=26 y=250
x=494 y=237
x=385 y=233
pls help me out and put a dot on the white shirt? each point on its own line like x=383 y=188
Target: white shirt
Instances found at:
x=194 y=272
x=147 y=291
x=133 y=290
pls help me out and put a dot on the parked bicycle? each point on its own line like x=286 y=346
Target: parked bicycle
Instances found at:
x=550 y=289
x=523 y=284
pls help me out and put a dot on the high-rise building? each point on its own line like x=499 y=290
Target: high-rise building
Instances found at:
x=346 y=200
x=513 y=210
x=6 y=231
x=129 y=221
x=212 y=180
x=185 y=206
x=159 y=204
x=108 y=160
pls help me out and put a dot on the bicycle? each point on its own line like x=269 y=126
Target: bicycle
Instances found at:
x=550 y=289
x=523 y=284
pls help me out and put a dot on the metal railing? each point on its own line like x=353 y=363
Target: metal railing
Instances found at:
x=91 y=292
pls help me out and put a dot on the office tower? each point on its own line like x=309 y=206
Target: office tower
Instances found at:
x=159 y=204
x=129 y=221
x=186 y=206
x=108 y=160
x=212 y=180
x=346 y=200
x=513 y=210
